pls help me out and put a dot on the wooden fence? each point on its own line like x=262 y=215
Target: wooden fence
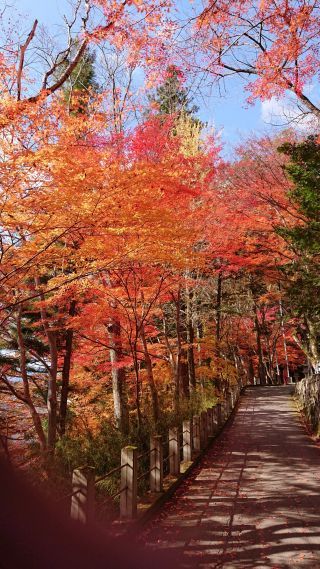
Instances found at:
x=183 y=445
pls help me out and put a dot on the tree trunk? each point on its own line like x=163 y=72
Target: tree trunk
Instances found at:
x=118 y=374
x=250 y=370
x=179 y=379
x=261 y=367
x=284 y=340
x=313 y=343
x=190 y=341
x=52 y=378
x=184 y=374
x=308 y=343
x=66 y=373
x=218 y=309
x=52 y=391
x=152 y=385
x=136 y=369
x=26 y=388
x=173 y=363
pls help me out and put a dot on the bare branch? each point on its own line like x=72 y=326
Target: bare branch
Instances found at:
x=23 y=50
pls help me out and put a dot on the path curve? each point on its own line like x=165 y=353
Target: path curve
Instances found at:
x=254 y=501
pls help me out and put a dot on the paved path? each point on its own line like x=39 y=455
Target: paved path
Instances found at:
x=255 y=499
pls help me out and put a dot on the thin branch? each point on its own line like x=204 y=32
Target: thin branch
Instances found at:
x=23 y=50
x=13 y=390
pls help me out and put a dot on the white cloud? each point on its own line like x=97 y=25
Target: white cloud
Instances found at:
x=285 y=113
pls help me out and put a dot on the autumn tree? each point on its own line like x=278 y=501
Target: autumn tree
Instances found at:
x=140 y=273
x=274 y=45
x=32 y=118
x=252 y=201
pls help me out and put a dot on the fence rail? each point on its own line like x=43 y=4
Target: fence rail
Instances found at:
x=110 y=473
x=194 y=434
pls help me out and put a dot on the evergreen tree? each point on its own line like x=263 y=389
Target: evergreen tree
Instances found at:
x=82 y=81
x=171 y=97
x=303 y=291
x=304 y=171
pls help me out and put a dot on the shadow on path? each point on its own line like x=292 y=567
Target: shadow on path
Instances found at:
x=254 y=501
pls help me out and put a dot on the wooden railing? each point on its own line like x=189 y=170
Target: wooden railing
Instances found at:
x=195 y=435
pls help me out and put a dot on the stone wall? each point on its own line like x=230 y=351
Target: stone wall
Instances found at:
x=308 y=394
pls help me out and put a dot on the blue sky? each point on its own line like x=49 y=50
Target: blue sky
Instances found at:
x=229 y=114
x=46 y=11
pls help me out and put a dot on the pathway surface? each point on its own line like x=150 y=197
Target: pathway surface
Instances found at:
x=254 y=501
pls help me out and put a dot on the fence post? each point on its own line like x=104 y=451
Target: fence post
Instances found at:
x=82 y=501
x=156 y=463
x=203 y=429
x=129 y=482
x=196 y=433
x=187 y=440
x=174 y=451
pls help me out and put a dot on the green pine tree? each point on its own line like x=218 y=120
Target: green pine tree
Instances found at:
x=304 y=171
x=172 y=98
x=303 y=289
x=82 y=81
